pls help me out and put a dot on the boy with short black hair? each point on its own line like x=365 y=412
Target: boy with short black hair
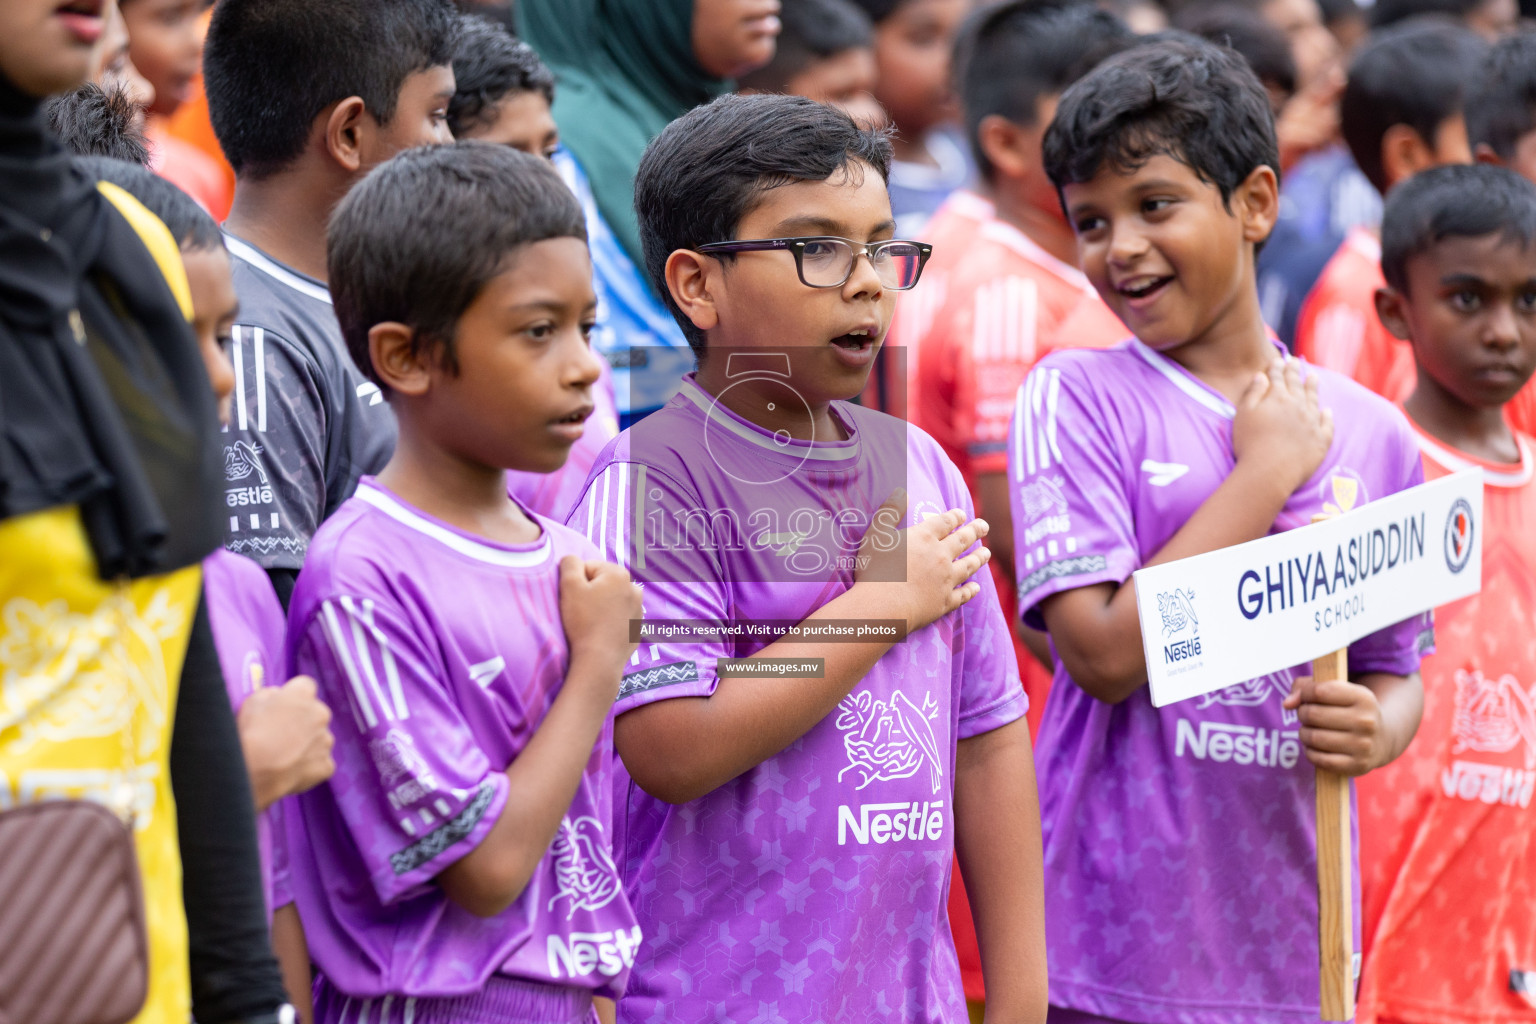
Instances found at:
x=787 y=838
x=300 y=126
x=1192 y=436
x=502 y=96
x=1402 y=112
x=825 y=53
x=1008 y=288
x=1017 y=280
x=1447 y=844
x=1501 y=126
x=1501 y=107
x=457 y=868
x=502 y=91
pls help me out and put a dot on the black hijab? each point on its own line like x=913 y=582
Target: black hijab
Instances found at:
x=104 y=400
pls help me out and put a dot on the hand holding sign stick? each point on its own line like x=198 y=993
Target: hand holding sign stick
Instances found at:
x=1307 y=594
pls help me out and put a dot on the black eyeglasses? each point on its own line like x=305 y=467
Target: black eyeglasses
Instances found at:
x=825 y=261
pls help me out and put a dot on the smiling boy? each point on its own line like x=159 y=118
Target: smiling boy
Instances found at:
x=1181 y=890
x=786 y=830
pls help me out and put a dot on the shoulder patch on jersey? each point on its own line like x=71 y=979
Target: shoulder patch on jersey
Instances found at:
x=658 y=675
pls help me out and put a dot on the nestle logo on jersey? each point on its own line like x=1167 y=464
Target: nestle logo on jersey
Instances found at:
x=241 y=462
x=608 y=953
x=248 y=496
x=1488 y=784
x=1044 y=503
x=891 y=823
x=1239 y=744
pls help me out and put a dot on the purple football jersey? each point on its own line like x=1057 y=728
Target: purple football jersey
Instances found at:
x=439 y=654
x=1180 y=849
x=247 y=623
x=812 y=887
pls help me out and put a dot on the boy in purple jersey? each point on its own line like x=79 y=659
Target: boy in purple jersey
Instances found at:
x=457 y=869
x=792 y=804
x=1179 y=842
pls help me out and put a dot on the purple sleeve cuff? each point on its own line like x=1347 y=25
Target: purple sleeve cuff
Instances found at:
x=1069 y=572
x=408 y=870
x=664 y=680
x=1008 y=708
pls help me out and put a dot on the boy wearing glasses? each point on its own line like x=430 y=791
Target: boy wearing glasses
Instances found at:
x=824 y=704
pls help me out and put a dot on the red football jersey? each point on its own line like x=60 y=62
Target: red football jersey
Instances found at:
x=1339 y=329
x=1448 y=830
x=1005 y=303
x=951 y=230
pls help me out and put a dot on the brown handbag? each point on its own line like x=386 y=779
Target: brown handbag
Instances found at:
x=73 y=946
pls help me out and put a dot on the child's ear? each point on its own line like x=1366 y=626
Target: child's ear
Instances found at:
x=1257 y=202
x=690 y=278
x=1005 y=145
x=1404 y=153
x=345 y=128
x=1484 y=154
x=1392 y=308
x=398 y=362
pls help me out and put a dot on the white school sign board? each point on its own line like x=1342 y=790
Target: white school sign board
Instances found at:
x=1227 y=616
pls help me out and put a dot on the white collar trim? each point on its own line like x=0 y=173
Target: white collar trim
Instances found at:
x=1003 y=232
x=1453 y=461
x=275 y=270
x=501 y=557
x=1181 y=380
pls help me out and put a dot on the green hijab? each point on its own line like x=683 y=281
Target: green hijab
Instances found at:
x=625 y=70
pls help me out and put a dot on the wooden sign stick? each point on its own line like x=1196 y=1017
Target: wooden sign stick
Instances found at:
x=1335 y=863
x=1335 y=870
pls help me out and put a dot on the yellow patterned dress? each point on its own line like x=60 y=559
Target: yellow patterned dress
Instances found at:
x=88 y=681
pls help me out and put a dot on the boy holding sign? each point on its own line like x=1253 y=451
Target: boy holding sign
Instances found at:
x=1193 y=435
x=1447 y=841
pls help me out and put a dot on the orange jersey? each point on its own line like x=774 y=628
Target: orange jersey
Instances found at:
x=189 y=169
x=1338 y=328
x=1006 y=302
x=1448 y=830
